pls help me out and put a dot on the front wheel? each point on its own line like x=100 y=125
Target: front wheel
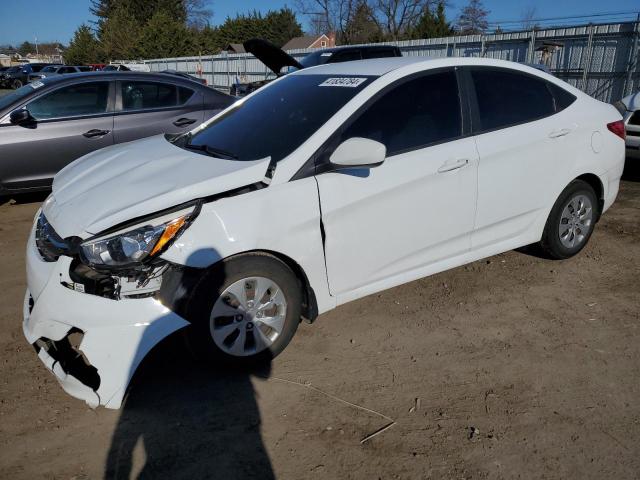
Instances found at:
x=245 y=309
x=16 y=84
x=571 y=221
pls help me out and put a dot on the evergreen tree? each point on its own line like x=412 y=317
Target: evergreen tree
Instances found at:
x=280 y=26
x=432 y=26
x=83 y=48
x=119 y=36
x=164 y=36
x=26 y=47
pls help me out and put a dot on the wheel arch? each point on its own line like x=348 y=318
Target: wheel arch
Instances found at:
x=596 y=183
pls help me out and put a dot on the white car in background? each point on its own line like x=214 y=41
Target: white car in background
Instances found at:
x=629 y=107
x=327 y=185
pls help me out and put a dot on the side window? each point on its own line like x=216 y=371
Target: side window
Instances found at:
x=562 y=98
x=346 y=56
x=67 y=70
x=379 y=53
x=184 y=94
x=508 y=98
x=71 y=101
x=142 y=95
x=414 y=114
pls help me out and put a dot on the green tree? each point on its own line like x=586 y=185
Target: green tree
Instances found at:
x=83 y=48
x=164 y=36
x=140 y=10
x=432 y=25
x=26 y=47
x=280 y=26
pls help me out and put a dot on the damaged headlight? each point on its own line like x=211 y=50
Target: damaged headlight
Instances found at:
x=131 y=247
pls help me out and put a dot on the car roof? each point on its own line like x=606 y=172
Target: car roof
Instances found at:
x=381 y=66
x=356 y=47
x=115 y=75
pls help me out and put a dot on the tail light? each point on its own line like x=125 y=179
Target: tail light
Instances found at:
x=617 y=128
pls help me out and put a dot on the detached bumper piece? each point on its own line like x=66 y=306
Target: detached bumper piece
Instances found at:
x=68 y=363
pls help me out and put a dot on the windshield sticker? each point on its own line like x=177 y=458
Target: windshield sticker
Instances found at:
x=326 y=54
x=37 y=84
x=350 y=82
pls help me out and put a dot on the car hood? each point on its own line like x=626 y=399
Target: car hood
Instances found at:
x=273 y=57
x=632 y=102
x=129 y=180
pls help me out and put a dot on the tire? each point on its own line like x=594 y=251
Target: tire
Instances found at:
x=214 y=310
x=577 y=207
x=16 y=84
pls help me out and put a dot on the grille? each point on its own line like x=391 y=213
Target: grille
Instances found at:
x=49 y=243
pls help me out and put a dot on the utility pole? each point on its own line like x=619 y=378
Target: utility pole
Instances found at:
x=36 y=46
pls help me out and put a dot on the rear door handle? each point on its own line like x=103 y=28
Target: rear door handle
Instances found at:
x=560 y=133
x=183 y=122
x=453 y=165
x=95 y=133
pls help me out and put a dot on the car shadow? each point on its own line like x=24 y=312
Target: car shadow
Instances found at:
x=631 y=171
x=24 y=198
x=190 y=421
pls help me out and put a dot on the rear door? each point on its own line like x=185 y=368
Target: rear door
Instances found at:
x=151 y=107
x=69 y=122
x=520 y=141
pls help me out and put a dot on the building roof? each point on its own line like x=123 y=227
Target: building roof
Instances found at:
x=235 y=48
x=297 y=43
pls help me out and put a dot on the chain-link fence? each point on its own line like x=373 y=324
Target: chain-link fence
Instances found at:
x=601 y=60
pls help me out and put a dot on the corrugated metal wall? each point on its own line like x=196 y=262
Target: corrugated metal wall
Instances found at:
x=601 y=60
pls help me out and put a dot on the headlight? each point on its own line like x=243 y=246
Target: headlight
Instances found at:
x=132 y=247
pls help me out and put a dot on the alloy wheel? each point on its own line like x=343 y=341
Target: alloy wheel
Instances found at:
x=576 y=221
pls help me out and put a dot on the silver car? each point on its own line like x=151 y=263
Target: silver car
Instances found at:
x=629 y=107
x=50 y=122
x=54 y=70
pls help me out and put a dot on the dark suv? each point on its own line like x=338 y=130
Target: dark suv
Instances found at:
x=17 y=77
x=278 y=60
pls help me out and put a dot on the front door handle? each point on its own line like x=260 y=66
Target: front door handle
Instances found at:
x=95 y=133
x=183 y=122
x=560 y=133
x=453 y=165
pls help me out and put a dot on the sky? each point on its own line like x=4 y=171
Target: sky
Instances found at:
x=56 y=20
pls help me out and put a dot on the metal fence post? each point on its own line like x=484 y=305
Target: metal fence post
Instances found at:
x=587 y=63
x=633 y=60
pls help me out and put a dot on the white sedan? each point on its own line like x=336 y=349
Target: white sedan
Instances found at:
x=327 y=185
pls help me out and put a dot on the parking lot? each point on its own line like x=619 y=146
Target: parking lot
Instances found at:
x=510 y=367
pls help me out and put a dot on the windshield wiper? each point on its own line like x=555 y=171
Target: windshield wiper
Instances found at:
x=214 y=152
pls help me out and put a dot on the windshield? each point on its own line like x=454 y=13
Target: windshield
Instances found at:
x=16 y=95
x=49 y=69
x=315 y=58
x=277 y=119
x=14 y=69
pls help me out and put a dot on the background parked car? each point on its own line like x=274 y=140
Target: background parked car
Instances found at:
x=185 y=75
x=47 y=124
x=53 y=70
x=4 y=76
x=17 y=78
x=277 y=59
x=629 y=107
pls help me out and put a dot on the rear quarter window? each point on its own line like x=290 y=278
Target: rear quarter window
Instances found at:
x=561 y=97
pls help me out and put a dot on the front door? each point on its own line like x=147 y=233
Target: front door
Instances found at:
x=384 y=224
x=68 y=123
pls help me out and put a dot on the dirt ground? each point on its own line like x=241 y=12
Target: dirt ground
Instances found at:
x=511 y=367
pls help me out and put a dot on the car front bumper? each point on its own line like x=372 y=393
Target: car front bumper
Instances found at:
x=115 y=334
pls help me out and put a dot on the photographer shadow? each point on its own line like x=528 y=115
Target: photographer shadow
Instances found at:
x=183 y=419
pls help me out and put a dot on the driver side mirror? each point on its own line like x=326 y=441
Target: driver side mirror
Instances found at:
x=359 y=152
x=20 y=117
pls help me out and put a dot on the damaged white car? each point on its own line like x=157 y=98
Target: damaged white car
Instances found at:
x=325 y=186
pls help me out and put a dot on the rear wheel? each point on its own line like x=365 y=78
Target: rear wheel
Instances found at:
x=571 y=221
x=16 y=84
x=245 y=309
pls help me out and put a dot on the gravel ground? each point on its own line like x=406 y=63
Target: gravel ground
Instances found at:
x=510 y=367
